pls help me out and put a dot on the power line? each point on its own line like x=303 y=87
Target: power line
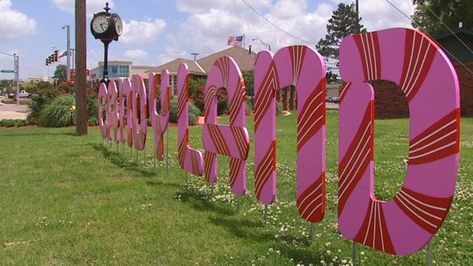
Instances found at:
x=448 y=52
x=449 y=29
x=274 y=25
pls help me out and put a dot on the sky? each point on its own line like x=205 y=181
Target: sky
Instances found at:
x=158 y=31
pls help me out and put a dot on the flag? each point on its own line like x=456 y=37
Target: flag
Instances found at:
x=235 y=40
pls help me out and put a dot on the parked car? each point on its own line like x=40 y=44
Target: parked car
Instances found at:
x=24 y=94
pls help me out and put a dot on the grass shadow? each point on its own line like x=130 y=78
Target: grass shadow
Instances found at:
x=242 y=228
x=120 y=161
x=200 y=201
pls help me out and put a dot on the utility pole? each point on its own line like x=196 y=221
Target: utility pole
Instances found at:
x=81 y=65
x=357 y=10
x=16 y=62
x=68 y=58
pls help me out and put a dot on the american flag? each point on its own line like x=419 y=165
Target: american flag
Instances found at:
x=235 y=40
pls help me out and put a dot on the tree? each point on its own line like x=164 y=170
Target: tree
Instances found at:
x=344 y=21
x=248 y=76
x=60 y=73
x=429 y=15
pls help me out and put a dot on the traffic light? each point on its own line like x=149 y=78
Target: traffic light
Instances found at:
x=56 y=56
x=51 y=59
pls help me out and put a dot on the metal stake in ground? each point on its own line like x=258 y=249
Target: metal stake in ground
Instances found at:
x=430 y=247
x=167 y=153
x=354 y=253
x=265 y=213
x=312 y=232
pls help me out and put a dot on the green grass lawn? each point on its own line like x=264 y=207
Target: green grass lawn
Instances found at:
x=74 y=200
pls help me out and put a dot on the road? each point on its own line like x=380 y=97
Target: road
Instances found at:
x=13 y=111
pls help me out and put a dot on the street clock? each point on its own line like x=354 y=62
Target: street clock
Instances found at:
x=106 y=26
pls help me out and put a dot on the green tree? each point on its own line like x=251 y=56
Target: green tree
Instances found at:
x=248 y=76
x=343 y=22
x=60 y=73
x=429 y=15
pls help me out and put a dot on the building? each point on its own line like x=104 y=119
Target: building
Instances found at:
x=200 y=68
x=118 y=69
x=455 y=47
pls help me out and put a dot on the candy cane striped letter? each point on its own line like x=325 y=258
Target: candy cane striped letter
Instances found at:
x=139 y=103
x=112 y=111
x=304 y=68
x=233 y=140
x=405 y=223
x=159 y=122
x=189 y=159
x=103 y=101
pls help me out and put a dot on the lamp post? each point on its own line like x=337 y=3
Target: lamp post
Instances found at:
x=16 y=70
x=106 y=27
x=267 y=45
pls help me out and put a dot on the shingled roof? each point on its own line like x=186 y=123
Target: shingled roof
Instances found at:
x=201 y=67
x=173 y=66
x=242 y=56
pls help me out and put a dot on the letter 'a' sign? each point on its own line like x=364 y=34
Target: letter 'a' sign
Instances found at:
x=405 y=223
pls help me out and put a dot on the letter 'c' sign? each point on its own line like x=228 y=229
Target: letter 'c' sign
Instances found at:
x=405 y=223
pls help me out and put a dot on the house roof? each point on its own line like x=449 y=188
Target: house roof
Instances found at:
x=457 y=31
x=242 y=56
x=173 y=66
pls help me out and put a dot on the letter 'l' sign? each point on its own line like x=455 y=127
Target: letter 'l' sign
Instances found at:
x=304 y=68
x=233 y=140
x=405 y=223
x=189 y=159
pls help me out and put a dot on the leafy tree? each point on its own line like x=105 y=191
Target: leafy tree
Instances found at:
x=429 y=15
x=343 y=22
x=248 y=76
x=60 y=73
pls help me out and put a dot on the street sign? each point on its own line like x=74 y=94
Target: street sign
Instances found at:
x=7 y=71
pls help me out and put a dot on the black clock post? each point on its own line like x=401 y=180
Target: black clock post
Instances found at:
x=106 y=27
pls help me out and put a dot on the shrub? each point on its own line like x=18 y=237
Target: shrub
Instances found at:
x=222 y=101
x=194 y=112
x=279 y=108
x=93 y=121
x=92 y=106
x=13 y=123
x=250 y=105
x=58 y=113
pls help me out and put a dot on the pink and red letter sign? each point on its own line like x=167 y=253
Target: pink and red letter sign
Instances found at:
x=233 y=140
x=159 y=122
x=139 y=108
x=189 y=159
x=405 y=223
x=302 y=67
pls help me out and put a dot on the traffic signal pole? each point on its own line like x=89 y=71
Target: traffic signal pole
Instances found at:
x=16 y=60
x=68 y=52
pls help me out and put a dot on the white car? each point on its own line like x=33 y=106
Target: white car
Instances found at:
x=24 y=94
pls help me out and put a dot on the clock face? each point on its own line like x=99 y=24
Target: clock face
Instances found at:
x=118 y=25
x=100 y=24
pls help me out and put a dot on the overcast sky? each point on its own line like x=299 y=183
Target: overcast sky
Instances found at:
x=156 y=31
